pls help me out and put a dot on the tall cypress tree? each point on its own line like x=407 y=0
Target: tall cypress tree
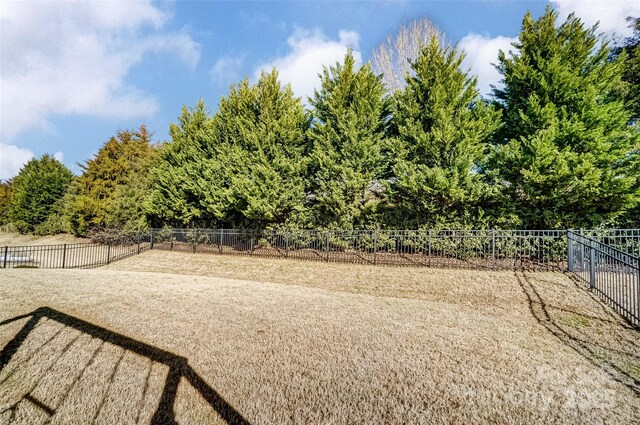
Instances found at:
x=177 y=195
x=631 y=73
x=565 y=152
x=350 y=116
x=259 y=142
x=441 y=129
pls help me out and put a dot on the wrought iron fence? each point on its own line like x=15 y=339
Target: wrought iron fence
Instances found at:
x=474 y=249
x=608 y=260
x=626 y=240
x=72 y=256
x=612 y=273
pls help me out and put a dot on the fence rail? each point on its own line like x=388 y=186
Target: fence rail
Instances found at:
x=472 y=249
x=612 y=273
x=72 y=256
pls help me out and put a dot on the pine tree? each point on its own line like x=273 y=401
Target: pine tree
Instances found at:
x=36 y=188
x=441 y=129
x=631 y=74
x=259 y=140
x=565 y=152
x=178 y=185
x=99 y=193
x=244 y=167
x=350 y=116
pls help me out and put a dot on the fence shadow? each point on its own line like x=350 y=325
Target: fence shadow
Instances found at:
x=618 y=354
x=178 y=367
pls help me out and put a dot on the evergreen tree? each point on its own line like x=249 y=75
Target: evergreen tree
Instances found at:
x=565 y=152
x=259 y=142
x=5 y=202
x=631 y=74
x=179 y=180
x=243 y=167
x=36 y=188
x=349 y=123
x=108 y=182
x=440 y=128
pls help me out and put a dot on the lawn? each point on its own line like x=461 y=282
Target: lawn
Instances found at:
x=16 y=239
x=199 y=338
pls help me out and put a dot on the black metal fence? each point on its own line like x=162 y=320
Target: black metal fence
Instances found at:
x=626 y=240
x=73 y=256
x=612 y=273
x=473 y=249
x=608 y=260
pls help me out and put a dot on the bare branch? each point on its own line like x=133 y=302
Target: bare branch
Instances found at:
x=392 y=58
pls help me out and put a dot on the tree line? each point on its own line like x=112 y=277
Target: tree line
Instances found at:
x=557 y=145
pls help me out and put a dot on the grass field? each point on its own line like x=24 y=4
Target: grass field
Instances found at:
x=193 y=338
x=16 y=239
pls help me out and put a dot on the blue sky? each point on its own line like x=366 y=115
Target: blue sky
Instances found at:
x=73 y=73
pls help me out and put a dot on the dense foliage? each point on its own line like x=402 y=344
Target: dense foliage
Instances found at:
x=557 y=146
x=631 y=74
x=244 y=167
x=565 y=153
x=34 y=191
x=440 y=132
x=5 y=202
x=176 y=196
x=350 y=116
x=113 y=185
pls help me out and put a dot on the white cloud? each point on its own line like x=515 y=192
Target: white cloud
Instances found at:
x=482 y=51
x=62 y=58
x=226 y=70
x=310 y=50
x=611 y=14
x=481 y=54
x=12 y=158
x=59 y=156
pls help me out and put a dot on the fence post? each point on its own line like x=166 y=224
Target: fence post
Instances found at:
x=138 y=242
x=251 y=236
x=493 y=247
x=151 y=240
x=64 y=255
x=195 y=240
x=429 y=242
x=592 y=265
x=581 y=250
x=171 y=236
x=6 y=253
x=638 y=293
x=109 y=254
x=220 y=241
x=375 y=247
x=327 y=248
x=286 y=243
x=570 y=250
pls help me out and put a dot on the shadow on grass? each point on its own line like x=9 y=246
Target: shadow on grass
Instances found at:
x=608 y=343
x=178 y=366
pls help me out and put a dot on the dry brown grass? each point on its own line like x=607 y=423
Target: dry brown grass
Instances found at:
x=16 y=239
x=300 y=342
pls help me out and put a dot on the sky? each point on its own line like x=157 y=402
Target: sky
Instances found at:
x=72 y=74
